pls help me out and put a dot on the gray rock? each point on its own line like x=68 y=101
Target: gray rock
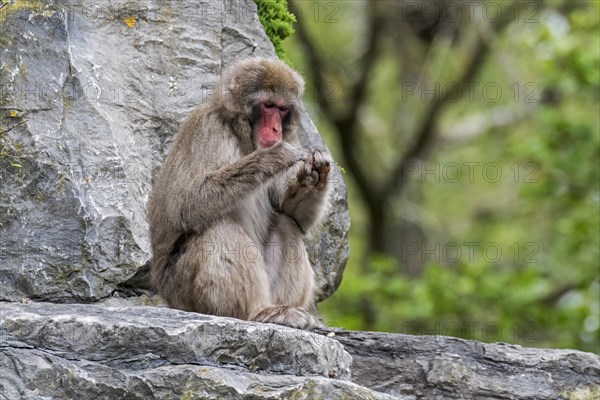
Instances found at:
x=149 y=337
x=37 y=375
x=100 y=90
x=440 y=367
x=98 y=352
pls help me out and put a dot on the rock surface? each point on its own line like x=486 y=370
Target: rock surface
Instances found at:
x=440 y=367
x=98 y=352
x=94 y=93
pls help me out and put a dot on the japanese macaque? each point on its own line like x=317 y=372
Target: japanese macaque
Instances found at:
x=234 y=199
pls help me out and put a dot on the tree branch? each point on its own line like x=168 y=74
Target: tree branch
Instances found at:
x=349 y=146
x=426 y=133
x=346 y=124
x=316 y=66
x=359 y=88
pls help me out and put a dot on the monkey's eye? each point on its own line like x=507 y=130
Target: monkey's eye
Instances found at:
x=269 y=104
x=284 y=108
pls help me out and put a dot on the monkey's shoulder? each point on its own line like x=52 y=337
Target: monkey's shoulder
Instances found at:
x=203 y=132
x=199 y=118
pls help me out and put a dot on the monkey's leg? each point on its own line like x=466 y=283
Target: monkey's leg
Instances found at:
x=291 y=278
x=221 y=273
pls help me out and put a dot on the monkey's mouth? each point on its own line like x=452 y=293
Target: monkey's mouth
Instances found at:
x=266 y=143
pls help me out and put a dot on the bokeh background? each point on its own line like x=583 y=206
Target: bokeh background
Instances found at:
x=469 y=133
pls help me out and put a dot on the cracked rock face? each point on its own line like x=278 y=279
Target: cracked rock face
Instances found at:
x=439 y=367
x=82 y=351
x=155 y=337
x=95 y=93
x=90 y=352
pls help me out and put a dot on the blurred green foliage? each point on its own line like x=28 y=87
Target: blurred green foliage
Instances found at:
x=277 y=21
x=542 y=212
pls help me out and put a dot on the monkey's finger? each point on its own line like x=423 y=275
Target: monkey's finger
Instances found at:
x=323 y=177
x=317 y=157
x=321 y=159
x=308 y=168
x=324 y=171
x=306 y=175
x=313 y=178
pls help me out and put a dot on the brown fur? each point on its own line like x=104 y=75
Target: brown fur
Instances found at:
x=227 y=219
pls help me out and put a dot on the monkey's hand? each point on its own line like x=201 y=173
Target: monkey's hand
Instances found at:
x=289 y=154
x=316 y=170
x=304 y=190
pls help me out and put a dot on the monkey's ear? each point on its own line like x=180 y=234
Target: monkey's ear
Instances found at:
x=234 y=83
x=235 y=77
x=242 y=75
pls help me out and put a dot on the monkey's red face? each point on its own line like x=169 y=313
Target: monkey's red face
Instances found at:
x=268 y=130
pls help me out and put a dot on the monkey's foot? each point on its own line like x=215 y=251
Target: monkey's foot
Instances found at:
x=294 y=317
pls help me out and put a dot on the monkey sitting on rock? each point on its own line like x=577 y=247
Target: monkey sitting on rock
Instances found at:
x=234 y=199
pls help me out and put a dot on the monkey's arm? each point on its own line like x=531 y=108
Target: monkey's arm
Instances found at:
x=213 y=195
x=305 y=190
